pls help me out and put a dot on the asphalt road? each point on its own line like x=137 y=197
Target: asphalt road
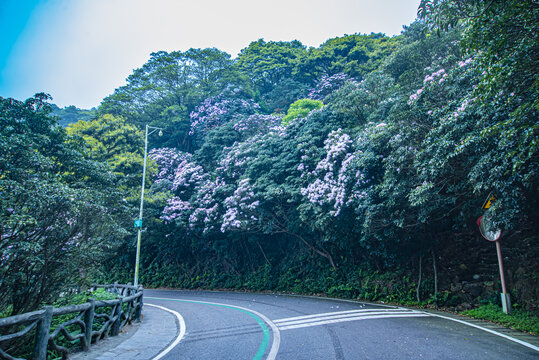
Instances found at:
x=223 y=325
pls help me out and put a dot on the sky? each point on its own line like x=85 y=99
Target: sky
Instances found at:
x=79 y=51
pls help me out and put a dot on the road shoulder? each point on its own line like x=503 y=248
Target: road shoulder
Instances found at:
x=489 y=326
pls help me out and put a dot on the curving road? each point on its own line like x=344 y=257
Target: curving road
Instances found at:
x=223 y=325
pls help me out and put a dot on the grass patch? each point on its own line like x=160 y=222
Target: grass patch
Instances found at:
x=518 y=319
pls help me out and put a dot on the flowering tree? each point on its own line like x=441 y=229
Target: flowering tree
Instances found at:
x=207 y=214
x=332 y=184
x=257 y=124
x=180 y=176
x=500 y=102
x=328 y=84
x=240 y=208
x=216 y=111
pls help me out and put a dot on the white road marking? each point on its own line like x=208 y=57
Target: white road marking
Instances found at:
x=489 y=331
x=339 y=314
x=432 y=314
x=276 y=333
x=345 y=317
x=367 y=316
x=178 y=338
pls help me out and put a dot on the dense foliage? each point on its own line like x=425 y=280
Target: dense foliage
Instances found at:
x=60 y=210
x=344 y=169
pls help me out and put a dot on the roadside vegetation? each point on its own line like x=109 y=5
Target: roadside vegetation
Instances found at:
x=518 y=319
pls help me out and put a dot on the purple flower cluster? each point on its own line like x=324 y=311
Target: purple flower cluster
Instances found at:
x=216 y=111
x=236 y=157
x=207 y=207
x=430 y=78
x=463 y=63
x=167 y=160
x=178 y=169
x=463 y=105
x=415 y=96
x=258 y=124
x=328 y=84
x=175 y=208
x=240 y=208
x=183 y=177
x=433 y=78
x=333 y=174
x=195 y=199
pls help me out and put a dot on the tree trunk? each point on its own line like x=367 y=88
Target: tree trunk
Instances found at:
x=435 y=279
x=263 y=253
x=419 y=280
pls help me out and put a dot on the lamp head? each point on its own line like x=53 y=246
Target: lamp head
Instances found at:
x=160 y=133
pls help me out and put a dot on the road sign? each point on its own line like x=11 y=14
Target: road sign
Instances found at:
x=138 y=223
x=491 y=199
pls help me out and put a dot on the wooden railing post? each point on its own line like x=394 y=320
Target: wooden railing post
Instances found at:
x=118 y=318
x=88 y=325
x=42 y=334
x=138 y=307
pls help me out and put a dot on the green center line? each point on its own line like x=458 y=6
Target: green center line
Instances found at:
x=265 y=331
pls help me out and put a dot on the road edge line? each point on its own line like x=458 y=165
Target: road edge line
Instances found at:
x=531 y=346
x=180 y=335
x=276 y=336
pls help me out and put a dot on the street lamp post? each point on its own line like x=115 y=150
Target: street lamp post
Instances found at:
x=138 y=222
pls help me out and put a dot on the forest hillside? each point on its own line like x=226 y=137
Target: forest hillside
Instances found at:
x=355 y=169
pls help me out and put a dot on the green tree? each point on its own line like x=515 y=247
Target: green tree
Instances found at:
x=267 y=64
x=167 y=88
x=355 y=55
x=301 y=109
x=110 y=139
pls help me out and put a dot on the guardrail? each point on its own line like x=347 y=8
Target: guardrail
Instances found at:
x=80 y=328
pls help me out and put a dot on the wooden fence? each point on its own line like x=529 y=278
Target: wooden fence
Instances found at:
x=109 y=317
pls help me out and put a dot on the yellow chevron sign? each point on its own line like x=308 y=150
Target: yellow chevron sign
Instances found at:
x=491 y=199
